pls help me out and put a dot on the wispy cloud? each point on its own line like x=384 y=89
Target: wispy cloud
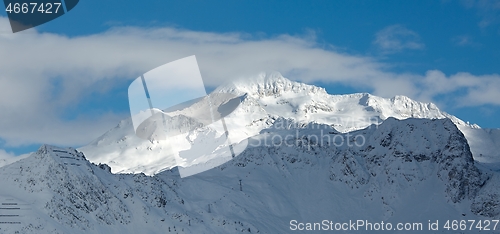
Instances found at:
x=396 y=38
x=489 y=10
x=479 y=90
x=9 y=157
x=464 y=40
x=43 y=76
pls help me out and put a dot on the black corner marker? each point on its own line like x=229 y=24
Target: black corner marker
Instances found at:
x=26 y=14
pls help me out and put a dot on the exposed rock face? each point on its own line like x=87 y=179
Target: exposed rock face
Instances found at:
x=487 y=202
x=378 y=172
x=300 y=164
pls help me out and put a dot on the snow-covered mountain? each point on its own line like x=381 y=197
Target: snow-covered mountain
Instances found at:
x=306 y=156
x=400 y=171
x=268 y=97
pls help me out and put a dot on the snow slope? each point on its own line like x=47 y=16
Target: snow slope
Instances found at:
x=411 y=170
x=267 y=97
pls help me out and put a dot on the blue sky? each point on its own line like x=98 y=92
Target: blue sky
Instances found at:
x=65 y=82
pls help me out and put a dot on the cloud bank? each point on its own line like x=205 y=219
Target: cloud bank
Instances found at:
x=44 y=75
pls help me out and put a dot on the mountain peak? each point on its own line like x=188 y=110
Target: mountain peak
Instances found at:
x=267 y=97
x=60 y=153
x=268 y=84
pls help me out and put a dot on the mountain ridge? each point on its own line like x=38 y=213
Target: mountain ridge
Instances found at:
x=264 y=188
x=269 y=96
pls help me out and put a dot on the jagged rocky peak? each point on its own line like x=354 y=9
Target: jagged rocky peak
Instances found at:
x=273 y=84
x=406 y=102
x=268 y=84
x=398 y=102
x=55 y=151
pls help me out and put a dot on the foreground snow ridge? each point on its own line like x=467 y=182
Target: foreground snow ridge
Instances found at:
x=411 y=170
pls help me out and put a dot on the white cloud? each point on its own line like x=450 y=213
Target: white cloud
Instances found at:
x=464 y=40
x=7 y=158
x=45 y=75
x=488 y=10
x=396 y=38
x=479 y=90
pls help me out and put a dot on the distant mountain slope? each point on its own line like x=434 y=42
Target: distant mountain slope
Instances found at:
x=411 y=170
x=269 y=96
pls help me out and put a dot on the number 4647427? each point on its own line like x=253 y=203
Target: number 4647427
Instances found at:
x=33 y=7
